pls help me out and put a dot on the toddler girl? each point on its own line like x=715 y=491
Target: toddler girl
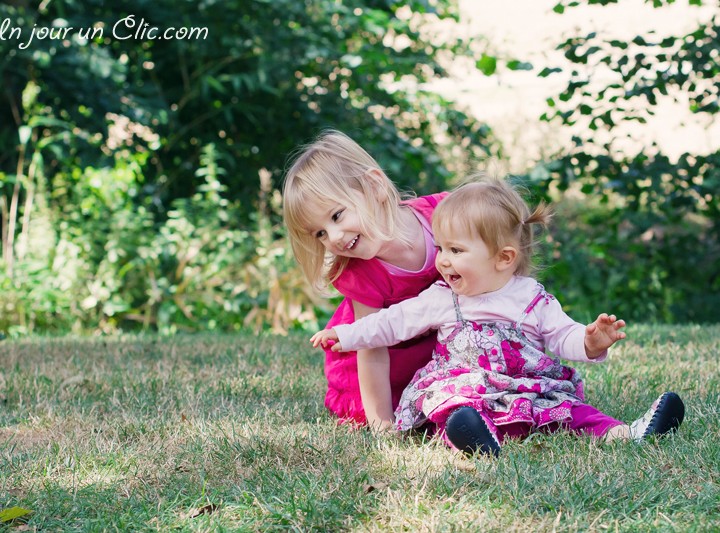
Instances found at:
x=349 y=227
x=490 y=378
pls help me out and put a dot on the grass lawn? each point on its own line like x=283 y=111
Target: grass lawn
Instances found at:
x=209 y=432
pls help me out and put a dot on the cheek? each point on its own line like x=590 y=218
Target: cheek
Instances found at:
x=464 y=265
x=350 y=219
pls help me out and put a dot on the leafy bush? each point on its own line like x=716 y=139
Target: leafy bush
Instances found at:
x=599 y=258
x=645 y=242
x=117 y=266
x=140 y=158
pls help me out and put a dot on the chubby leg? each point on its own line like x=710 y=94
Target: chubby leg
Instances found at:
x=621 y=432
x=587 y=420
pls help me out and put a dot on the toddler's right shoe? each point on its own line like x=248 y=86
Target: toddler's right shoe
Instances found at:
x=665 y=415
x=469 y=432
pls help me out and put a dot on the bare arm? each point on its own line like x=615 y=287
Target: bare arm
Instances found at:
x=374 y=378
x=379 y=328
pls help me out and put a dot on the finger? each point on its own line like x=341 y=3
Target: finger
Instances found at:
x=318 y=340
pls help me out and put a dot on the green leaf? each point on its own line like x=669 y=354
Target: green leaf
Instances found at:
x=49 y=122
x=515 y=64
x=487 y=64
x=215 y=84
x=13 y=513
x=544 y=73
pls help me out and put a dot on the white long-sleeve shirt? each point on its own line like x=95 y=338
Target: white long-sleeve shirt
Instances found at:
x=546 y=326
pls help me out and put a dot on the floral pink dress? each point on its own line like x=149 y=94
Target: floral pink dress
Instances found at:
x=493 y=367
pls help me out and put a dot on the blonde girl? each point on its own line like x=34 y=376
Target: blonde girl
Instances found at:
x=490 y=377
x=350 y=228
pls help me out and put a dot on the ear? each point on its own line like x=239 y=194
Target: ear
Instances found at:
x=506 y=258
x=377 y=180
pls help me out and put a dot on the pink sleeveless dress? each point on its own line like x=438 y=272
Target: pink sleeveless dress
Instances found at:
x=371 y=283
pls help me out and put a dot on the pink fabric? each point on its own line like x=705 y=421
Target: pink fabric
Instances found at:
x=586 y=419
x=582 y=419
x=370 y=283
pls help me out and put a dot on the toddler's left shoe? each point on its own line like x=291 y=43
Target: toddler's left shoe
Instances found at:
x=665 y=415
x=469 y=432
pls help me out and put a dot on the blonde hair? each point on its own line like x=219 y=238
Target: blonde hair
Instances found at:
x=334 y=169
x=494 y=211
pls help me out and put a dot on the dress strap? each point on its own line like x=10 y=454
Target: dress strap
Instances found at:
x=458 y=313
x=541 y=295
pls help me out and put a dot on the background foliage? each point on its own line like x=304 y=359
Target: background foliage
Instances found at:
x=139 y=178
x=645 y=239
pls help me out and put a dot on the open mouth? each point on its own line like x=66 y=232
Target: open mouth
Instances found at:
x=352 y=243
x=452 y=278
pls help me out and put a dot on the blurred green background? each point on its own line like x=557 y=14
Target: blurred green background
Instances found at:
x=140 y=166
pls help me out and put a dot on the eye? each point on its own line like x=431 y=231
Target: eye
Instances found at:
x=455 y=250
x=320 y=234
x=336 y=215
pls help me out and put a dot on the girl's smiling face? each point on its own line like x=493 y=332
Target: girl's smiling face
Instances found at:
x=467 y=264
x=338 y=228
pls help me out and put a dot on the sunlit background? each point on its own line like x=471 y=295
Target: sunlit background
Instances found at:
x=529 y=30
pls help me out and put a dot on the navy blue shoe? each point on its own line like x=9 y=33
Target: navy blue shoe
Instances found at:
x=468 y=432
x=665 y=415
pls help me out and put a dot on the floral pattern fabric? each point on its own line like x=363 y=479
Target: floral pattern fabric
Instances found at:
x=494 y=368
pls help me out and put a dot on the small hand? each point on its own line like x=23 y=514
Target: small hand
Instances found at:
x=602 y=334
x=326 y=338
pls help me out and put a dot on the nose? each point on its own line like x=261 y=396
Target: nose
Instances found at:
x=335 y=235
x=442 y=258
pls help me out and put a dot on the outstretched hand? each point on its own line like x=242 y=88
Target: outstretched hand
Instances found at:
x=326 y=338
x=602 y=334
